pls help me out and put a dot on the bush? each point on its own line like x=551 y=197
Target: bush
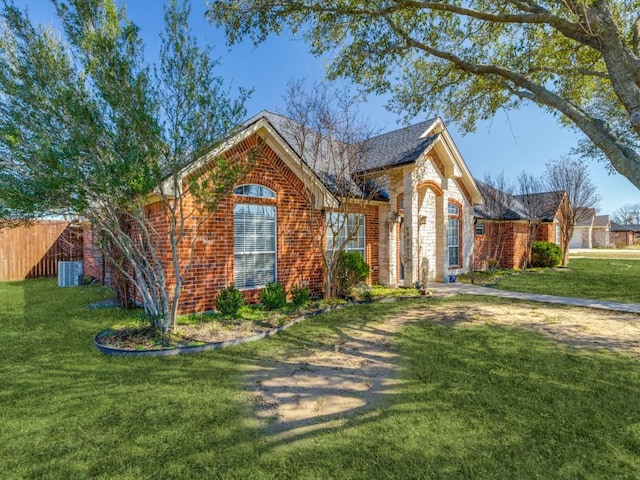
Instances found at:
x=351 y=269
x=300 y=296
x=273 y=296
x=545 y=254
x=229 y=301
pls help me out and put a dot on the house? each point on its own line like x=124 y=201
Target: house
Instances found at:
x=623 y=235
x=591 y=230
x=504 y=224
x=421 y=224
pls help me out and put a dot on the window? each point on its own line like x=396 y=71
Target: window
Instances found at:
x=479 y=227
x=558 y=234
x=252 y=190
x=336 y=223
x=453 y=234
x=254 y=245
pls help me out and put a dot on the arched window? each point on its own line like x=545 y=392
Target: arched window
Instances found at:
x=253 y=190
x=454 y=225
x=254 y=238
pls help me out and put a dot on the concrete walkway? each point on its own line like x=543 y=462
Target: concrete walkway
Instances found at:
x=467 y=289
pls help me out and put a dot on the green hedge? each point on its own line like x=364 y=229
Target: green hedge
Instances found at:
x=545 y=254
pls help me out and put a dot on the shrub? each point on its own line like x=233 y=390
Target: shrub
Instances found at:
x=545 y=254
x=229 y=301
x=273 y=296
x=351 y=269
x=492 y=265
x=300 y=296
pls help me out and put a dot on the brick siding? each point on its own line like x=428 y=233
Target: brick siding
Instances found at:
x=512 y=237
x=299 y=261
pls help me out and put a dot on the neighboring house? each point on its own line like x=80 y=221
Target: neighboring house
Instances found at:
x=623 y=235
x=261 y=232
x=591 y=231
x=503 y=226
x=600 y=231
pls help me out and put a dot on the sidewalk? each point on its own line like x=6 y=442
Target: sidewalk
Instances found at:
x=467 y=289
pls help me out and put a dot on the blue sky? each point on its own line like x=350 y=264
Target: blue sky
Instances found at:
x=512 y=142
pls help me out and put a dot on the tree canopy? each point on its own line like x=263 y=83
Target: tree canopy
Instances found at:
x=88 y=127
x=578 y=59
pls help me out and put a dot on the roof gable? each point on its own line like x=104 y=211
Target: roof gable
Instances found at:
x=397 y=148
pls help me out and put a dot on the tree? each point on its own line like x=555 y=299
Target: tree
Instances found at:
x=628 y=214
x=565 y=176
x=467 y=60
x=85 y=128
x=530 y=194
x=497 y=194
x=331 y=137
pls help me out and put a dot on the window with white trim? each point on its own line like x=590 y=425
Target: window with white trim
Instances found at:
x=479 y=227
x=342 y=225
x=453 y=234
x=254 y=245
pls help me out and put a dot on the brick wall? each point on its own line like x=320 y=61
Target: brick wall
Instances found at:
x=299 y=261
x=91 y=255
x=512 y=237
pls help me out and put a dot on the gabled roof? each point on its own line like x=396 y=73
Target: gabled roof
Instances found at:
x=585 y=216
x=400 y=147
x=549 y=201
x=618 y=227
x=513 y=207
x=601 y=221
x=389 y=150
x=502 y=205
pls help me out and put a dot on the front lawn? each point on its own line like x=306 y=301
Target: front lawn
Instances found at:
x=615 y=280
x=476 y=402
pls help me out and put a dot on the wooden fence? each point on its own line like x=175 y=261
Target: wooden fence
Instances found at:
x=34 y=251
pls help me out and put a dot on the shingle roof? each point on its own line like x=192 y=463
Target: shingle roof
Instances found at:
x=618 y=227
x=549 y=201
x=399 y=147
x=585 y=216
x=513 y=207
x=498 y=205
x=601 y=221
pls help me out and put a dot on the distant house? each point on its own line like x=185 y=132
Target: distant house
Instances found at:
x=503 y=226
x=591 y=231
x=623 y=235
x=260 y=232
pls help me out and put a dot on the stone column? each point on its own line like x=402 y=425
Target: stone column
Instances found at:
x=411 y=209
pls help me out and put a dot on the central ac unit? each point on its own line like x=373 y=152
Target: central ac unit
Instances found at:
x=69 y=274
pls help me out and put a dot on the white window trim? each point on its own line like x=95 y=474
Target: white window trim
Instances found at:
x=364 y=233
x=272 y=196
x=275 y=252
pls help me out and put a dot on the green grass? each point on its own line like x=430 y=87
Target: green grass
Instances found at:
x=476 y=402
x=600 y=279
x=629 y=252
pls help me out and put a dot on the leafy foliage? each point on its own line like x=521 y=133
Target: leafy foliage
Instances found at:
x=86 y=129
x=469 y=60
x=351 y=269
x=545 y=254
x=229 y=301
x=273 y=296
x=300 y=296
